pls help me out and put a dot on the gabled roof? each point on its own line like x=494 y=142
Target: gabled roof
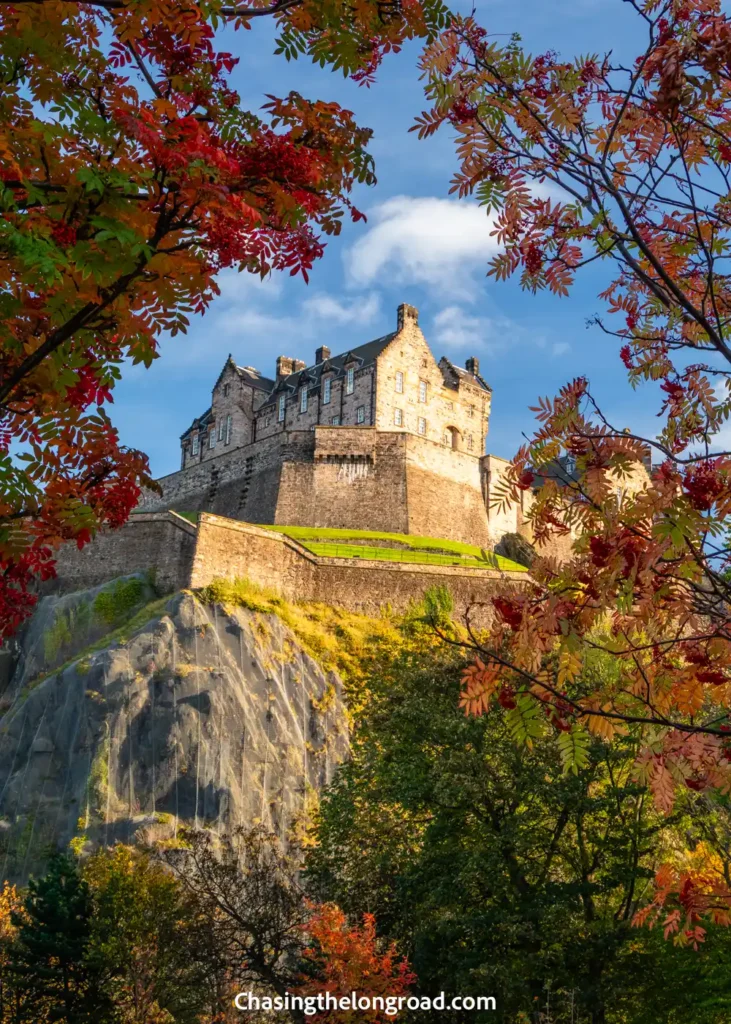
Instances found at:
x=198 y=424
x=249 y=374
x=363 y=355
x=453 y=375
x=254 y=378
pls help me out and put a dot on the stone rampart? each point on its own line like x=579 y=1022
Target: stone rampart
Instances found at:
x=162 y=543
x=354 y=478
x=182 y=555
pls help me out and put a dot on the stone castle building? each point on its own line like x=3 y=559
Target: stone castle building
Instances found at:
x=380 y=437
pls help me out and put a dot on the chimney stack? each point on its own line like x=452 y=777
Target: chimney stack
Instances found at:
x=286 y=366
x=321 y=354
x=472 y=366
x=406 y=314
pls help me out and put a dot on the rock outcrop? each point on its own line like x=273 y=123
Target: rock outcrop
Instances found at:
x=196 y=715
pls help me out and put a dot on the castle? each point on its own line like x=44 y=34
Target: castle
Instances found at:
x=382 y=437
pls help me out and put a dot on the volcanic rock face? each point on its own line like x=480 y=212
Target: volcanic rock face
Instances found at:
x=205 y=716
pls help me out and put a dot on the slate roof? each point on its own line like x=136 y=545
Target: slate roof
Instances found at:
x=363 y=355
x=457 y=374
x=562 y=470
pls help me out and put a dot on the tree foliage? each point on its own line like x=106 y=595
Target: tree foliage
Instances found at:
x=130 y=174
x=590 y=161
x=499 y=872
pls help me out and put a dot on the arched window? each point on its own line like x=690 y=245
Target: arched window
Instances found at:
x=452 y=437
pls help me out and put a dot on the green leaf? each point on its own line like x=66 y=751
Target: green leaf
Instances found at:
x=573 y=747
x=525 y=722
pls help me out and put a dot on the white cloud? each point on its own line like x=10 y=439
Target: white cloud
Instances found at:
x=455 y=328
x=250 y=320
x=560 y=348
x=326 y=308
x=436 y=242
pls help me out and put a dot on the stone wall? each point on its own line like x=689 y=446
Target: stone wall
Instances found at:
x=343 y=477
x=440 y=503
x=185 y=556
x=162 y=543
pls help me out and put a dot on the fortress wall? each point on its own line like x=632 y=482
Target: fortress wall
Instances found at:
x=161 y=542
x=233 y=550
x=185 y=556
x=239 y=550
x=444 y=493
x=369 y=587
x=354 y=479
x=339 y=477
x=241 y=483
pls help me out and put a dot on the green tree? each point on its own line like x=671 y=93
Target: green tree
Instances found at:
x=499 y=872
x=147 y=942
x=47 y=959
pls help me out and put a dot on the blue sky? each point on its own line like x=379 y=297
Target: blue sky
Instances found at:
x=418 y=246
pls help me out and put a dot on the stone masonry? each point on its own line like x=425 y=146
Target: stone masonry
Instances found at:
x=381 y=437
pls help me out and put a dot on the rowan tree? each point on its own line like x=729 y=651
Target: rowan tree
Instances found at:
x=130 y=174
x=591 y=161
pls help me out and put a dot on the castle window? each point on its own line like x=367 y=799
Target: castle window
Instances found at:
x=399 y=383
x=335 y=421
x=422 y=425
x=350 y=381
x=212 y=436
x=398 y=417
x=470 y=442
x=228 y=429
x=282 y=403
x=194 y=449
x=225 y=390
x=221 y=430
x=360 y=414
x=422 y=390
x=326 y=390
x=470 y=411
x=303 y=400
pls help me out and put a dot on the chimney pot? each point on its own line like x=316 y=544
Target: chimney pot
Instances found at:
x=472 y=365
x=286 y=366
x=321 y=354
x=406 y=314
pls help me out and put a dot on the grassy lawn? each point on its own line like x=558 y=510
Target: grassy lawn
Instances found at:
x=418 y=550
x=422 y=550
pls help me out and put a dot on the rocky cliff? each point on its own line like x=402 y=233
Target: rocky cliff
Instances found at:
x=188 y=713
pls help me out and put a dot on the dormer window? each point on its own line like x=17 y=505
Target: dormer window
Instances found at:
x=303 y=399
x=350 y=381
x=195 y=445
x=281 y=408
x=326 y=390
x=212 y=436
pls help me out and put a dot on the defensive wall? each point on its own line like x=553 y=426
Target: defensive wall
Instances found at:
x=181 y=555
x=341 y=477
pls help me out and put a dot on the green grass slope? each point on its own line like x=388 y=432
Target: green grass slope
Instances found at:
x=420 y=550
